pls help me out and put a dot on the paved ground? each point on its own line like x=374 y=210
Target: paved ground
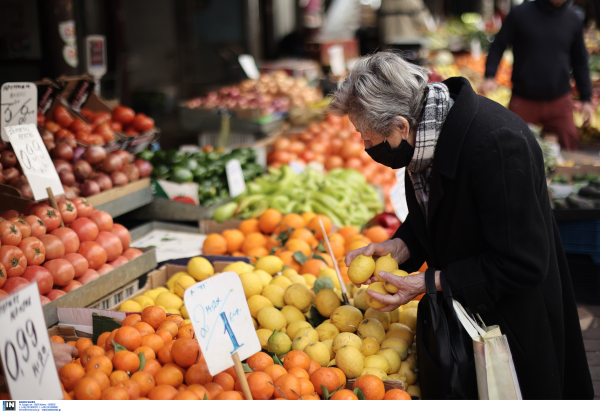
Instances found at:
x=591 y=340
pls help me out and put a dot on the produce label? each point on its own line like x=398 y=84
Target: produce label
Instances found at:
x=235 y=178
x=221 y=320
x=35 y=160
x=398 y=196
x=179 y=192
x=19 y=105
x=27 y=360
x=249 y=66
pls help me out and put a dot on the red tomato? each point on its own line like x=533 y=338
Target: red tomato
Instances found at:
x=9 y=214
x=50 y=217
x=34 y=251
x=130 y=131
x=52 y=127
x=142 y=123
x=88 y=276
x=80 y=125
x=13 y=285
x=63 y=134
x=94 y=253
x=123 y=114
x=61 y=270
x=121 y=260
x=13 y=260
x=71 y=286
x=85 y=112
x=111 y=244
x=132 y=253
x=63 y=117
x=38 y=228
x=68 y=211
x=80 y=264
x=40 y=275
x=123 y=234
x=43 y=300
x=68 y=237
x=55 y=249
x=100 y=118
x=22 y=225
x=41 y=119
x=3 y=276
x=84 y=208
x=116 y=126
x=55 y=294
x=10 y=233
x=85 y=229
x=103 y=220
x=104 y=269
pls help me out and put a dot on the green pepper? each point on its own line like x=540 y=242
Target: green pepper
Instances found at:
x=146 y=155
x=181 y=175
x=161 y=172
x=159 y=158
x=189 y=164
x=174 y=157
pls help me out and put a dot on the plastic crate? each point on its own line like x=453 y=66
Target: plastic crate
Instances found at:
x=585 y=275
x=581 y=237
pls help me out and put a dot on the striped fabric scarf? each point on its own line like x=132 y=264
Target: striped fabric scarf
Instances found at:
x=437 y=106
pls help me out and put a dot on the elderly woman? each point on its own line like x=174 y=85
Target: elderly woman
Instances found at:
x=479 y=213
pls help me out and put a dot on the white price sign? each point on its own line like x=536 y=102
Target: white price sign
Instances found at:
x=19 y=105
x=235 y=178
x=35 y=160
x=249 y=66
x=221 y=320
x=27 y=359
x=398 y=196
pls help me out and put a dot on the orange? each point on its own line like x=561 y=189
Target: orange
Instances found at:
x=397 y=394
x=225 y=380
x=186 y=396
x=308 y=216
x=117 y=376
x=154 y=342
x=187 y=331
x=58 y=339
x=327 y=258
x=271 y=243
x=165 y=336
x=306 y=387
x=348 y=231
x=259 y=361
x=253 y=240
x=269 y=220
x=234 y=239
x=306 y=235
x=198 y=374
x=162 y=392
x=147 y=351
x=132 y=388
x=100 y=363
x=200 y=391
x=298 y=245
x=87 y=390
x=100 y=378
x=287 y=257
x=356 y=245
x=82 y=344
x=238 y=384
x=131 y=320
x=288 y=386
x=145 y=382
x=213 y=389
x=153 y=316
x=341 y=375
x=315 y=226
x=144 y=328
x=73 y=344
x=296 y=358
x=185 y=352
x=152 y=367
x=115 y=394
x=275 y=371
x=325 y=377
x=126 y=361
x=230 y=371
x=257 y=253
x=70 y=374
x=177 y=319
x=314 y=365
x=344 y=395
x=344 y=272
x=214 y=244
x=313 y=266
x=169 y=375
x=377 y=234
x=260 y=384
x=129 y=337
x=313 y=397
x=249 y=226
x=337 y=238
x=371 y=386
x=356 y=237
x=170 y=327
x=229 y=396
x=338 y=249
x=89 y=353
x=164 y=354
x=293 y=221
x=298 y=372
x=176 y=366
x=102 y=339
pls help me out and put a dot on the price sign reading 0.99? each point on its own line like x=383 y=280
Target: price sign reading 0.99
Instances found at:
x=35 y=160
x=25 y=350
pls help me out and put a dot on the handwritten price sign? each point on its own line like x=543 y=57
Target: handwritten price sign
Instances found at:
x=25 y=349
x=221 y=320
x=235 y=178
x=19 y=105
x=34 y=159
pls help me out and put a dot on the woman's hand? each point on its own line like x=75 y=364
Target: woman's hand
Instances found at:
x=409 y=287
x=63 y=353
x=396 y=247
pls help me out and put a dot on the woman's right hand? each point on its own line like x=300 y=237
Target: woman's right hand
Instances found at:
x=396 y=247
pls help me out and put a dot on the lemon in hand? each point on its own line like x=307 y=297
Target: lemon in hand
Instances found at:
x=361 y=269
x=376 y=287
x=388 y=286
x=385 y=263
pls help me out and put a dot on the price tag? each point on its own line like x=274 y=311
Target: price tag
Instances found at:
x=337 y=61
x=398 y=196
x=249 y=66
x=35 y=160
x=221 y=320
x=235 y=178
x=19 y=105
x=27 y=360
x=297 y=167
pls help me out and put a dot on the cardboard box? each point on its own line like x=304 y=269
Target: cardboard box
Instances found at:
x=169 y=210
x=210 y=226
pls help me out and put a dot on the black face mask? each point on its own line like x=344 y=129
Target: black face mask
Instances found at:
x=395 y=158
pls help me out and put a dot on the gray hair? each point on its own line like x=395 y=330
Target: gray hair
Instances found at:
x=379 y=88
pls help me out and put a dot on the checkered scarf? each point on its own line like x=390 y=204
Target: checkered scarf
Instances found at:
x=437 y=106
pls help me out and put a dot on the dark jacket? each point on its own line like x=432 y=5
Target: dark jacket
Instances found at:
x=547 y=44
x=492 y=233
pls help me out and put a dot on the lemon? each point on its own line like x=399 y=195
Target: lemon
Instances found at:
x=326 y=302
x=360 y=300
x=183 y=283
x=329 y=345
x=296 y=326
x=292 y=314
x=251 y=284
x=356 y=290
x=275 y=294
x=238 y=267
x=310 y=279
x=255 y=324
x=171 y=281
x=298 y=279
x=289 y=272
x=361 y=269
x=152 y=294
x=409 y=370
x=382 y=317
x=318 y=352
x=200 y=269
x=271 y=318
x=414 y=390
x=375 y=372
x=187 y=321
x=394 y=315
x=256 y=303
x=270 y=264
x=409 y=318
x=409 y=305
x=388 y=286
x=184 y=312
x=386 y=264
x=172 y=311
x=372 y=328
x=281 y=281
x=331 y=274
x=350 y=289
x=326 y=321
x=264 y=277
x=376 y=287
x=346 y=318
x=130 y=306
x=346 y=339
x=144 y=301
x=309 y=332
x=377 y=361
x=369 y=347
x=299 y=296
x=392 y=357
x=279 y=343
x=403 y=334
x=263 y=337
x=399 y=345
x=327 y=331
x=301 y=342
x=350 y=361
x=169 y=300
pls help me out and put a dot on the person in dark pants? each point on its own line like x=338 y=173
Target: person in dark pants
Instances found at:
x=547 y=41
x=479 y=214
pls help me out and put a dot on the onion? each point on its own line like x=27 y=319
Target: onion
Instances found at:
x=1 y=178
x=62 y=151
x=95 y=154
x=82 y=170
x=10 y=174
x=62 y=165
x=8 y=158
x=89 y=188
x=112 y=163
x=78 y=154
x=70 y=140
x=144 y=167
x=66 y=177
x=125 y=156
x=1 y=167
x=103 y=181
x=119 y=179
x=132 y=172
x=69 y=192
x=47 y=136
x=3 y=145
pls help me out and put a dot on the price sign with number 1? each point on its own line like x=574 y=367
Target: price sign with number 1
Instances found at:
x=27 y=359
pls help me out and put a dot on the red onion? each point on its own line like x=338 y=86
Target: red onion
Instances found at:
x=47 y=136
x=25 y=189
x=70 y=193
x=70 y=140
x=8 y=158
x=66 y=177
x=82 y=170
x=11 y=173
x=95 y=154
x=1 y=178
x=132 y=172
x=3 y=145
x=78 y=154
x=62 y=165
x=1 y=167
x=62 y=151
x=125 y=156
x=103 y=181
x=144 y=167
x=119 y=179
x=89 y=188
x=113 y=163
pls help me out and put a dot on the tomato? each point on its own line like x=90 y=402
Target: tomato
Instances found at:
x=38 y=228
x=132 y=253
x=85 y=112
x=121 y=260
x=55 y=249
x=84 y=208
x=71 y=286
x=61 y=270
x=52 y=127
x=22 y=225
x=130 y=131
x=116 y=126
x=123 y=114
x=40 y=275
x=111 y=244
x=100 y=118
x=80 y=125
x=142 y=123
x=34 y=251
x=123 y=234
x=63 y=117
x=10 y=233
x=3 y=276
x=85 y=229
x=9 y=214
x=13 y=285
x=84 y=137
x=50 y=217
x=80 y=264
x=68 y=237
x=94 y=253
x=68 y=211
x=63 y=134
x=88 y=276
x=103 y=220
x=13 y=260
x=104 y=130
x=41 y=119
x=104 y=269
x=55 y=294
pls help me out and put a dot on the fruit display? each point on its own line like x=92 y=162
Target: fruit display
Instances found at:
x=206 y=167
x=35 y=248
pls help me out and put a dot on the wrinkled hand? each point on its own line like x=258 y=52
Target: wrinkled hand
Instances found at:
x=63 y=353
x=587 y=110
x=489 y=85
x=396 y=247
x=409 y=287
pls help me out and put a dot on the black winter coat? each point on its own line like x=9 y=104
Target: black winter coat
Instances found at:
x=492 y=233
